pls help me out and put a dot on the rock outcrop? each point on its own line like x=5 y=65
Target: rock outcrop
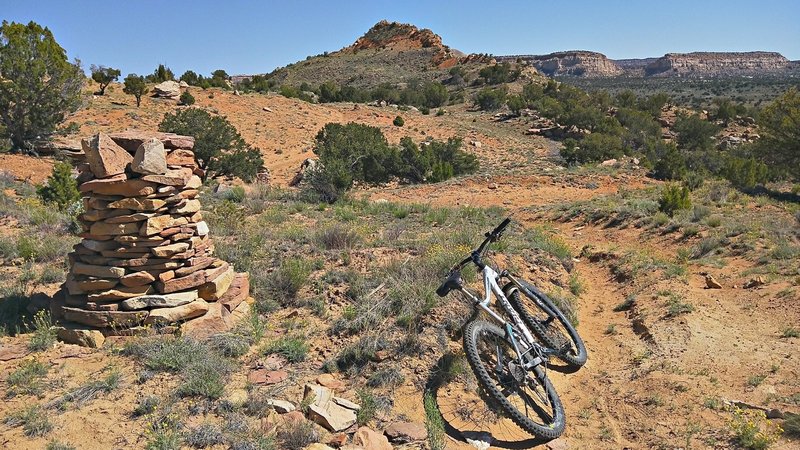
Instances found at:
x=571 y=63
x=146 y=257
x=714 y=64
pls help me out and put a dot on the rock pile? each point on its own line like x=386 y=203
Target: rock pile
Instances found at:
x=146 y=258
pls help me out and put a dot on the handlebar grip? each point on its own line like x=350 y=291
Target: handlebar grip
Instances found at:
x=501 y=227
x=443 y=290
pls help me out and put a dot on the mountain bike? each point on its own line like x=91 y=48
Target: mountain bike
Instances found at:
x=506 y=358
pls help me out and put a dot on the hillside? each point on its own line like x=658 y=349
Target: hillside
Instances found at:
x=690 y=317
x=389 y=52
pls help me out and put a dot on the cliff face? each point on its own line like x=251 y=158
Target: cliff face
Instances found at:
x=699 y=64
x=571 y=63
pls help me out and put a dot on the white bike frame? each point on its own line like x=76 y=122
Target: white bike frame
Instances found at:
x=490 y=287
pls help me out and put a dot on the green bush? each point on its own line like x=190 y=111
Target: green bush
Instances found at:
x=218 y=146
x=674 y=197
x=779 y=145
x=356 y=152
x=329 y=182
x=61 y=188
x=516 y=103
x=595 y=147
x=670 y=165
x=186 y=98
x=745 y=173
x=398 y=121
x=491 y=99
x=499 y=73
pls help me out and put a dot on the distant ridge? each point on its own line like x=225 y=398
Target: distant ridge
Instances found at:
x=588 y=64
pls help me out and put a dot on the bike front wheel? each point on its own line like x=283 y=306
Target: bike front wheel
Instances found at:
x=527 y=397
x=547 y=322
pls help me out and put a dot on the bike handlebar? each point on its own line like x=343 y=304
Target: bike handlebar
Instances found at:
x=453 y=280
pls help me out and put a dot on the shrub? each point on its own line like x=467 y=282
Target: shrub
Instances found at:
x=34 y=421
x=398 y=121
x=369 y=406
x=360 y=149
x=694 y=133
x=670 y=165
x=595 y=147
x=516 y=103
x=27 y=379
x=779 y=145
x=204 y=377
x=288 y=278
x=203 y=436
x=337 y=237
x=186 y=98
x=298 y=434
x=293 y=348
x=748 y=432
x=745 y=173
x=44 y=335
x=491 y=99
x=61 y=188
x=218 y=146
x=674 y=198
x=329 y=182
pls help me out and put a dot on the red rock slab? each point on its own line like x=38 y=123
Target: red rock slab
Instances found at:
x=105 y=319
x=181 y=284
x=267 y=377
x=238 y=292
x=119 y=186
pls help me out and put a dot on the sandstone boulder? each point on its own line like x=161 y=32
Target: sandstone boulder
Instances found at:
x=159 y=301
x=167 y=89
x=104 y=319
x=370 y=439
x=163 y=316
x=81 y=336
x=406 y=432
x=329 y=411
x=104 y=156
x=150 y=158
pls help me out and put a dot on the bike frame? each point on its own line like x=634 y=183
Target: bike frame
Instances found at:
x=523 y=346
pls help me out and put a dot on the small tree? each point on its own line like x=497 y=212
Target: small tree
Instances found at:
x=135 y=86
x=104 y=76
x=398 y=121
x=161 y=74
x=489 y=99
x=694 y=133
x=38 y=85
x=779 y=126
x=516 y=103
x=61 y=188
x=191 y=78
x=670 y=163
x=674 y=198
x=186 y=98
x=218 y=146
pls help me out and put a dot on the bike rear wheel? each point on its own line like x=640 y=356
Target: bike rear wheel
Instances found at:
x=528 y=398
x=547 y=322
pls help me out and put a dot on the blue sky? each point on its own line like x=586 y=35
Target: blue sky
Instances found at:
x=258 y=36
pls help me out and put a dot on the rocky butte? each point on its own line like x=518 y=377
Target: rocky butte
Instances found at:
x=145 y=260
x=577 y=63
x=717 y=64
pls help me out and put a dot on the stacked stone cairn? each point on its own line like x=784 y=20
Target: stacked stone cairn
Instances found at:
x=146 y=259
